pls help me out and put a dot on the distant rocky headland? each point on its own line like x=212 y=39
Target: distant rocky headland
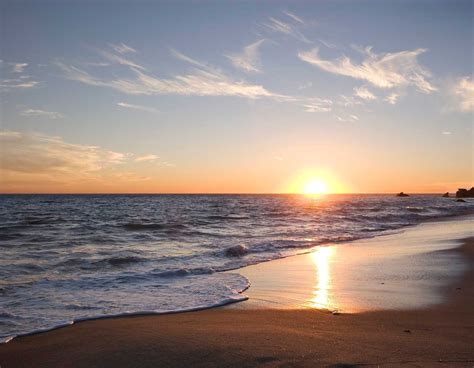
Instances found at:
x=465 y=193
x=461 y=193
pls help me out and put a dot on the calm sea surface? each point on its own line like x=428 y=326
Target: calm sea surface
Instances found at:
x=72 y=257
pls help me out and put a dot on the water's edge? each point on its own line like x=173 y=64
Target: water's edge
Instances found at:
x=241 y=297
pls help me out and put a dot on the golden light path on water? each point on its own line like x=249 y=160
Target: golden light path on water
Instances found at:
x=322 y=261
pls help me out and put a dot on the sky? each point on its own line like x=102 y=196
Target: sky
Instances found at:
x=236 y=97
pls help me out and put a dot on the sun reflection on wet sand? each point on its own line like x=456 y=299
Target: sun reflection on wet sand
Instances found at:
x=322 y=259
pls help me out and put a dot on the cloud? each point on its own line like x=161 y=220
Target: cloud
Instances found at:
x=446 y=133
x=32 y=153
x=19 y=83
x=392 y=98
x=305 y=85
x=180 y=56
x=18 y=67
x=348 y=119
x=114 y=58
x=249 y=58
x=36 y=112
x=348 y=101
x=147 y=158
x=37 y=162
x=15 y=81
x=389 y=70
x=364 y=93
x=122 y=48
x=317 y=105
x=278 y=26
x=329 y=45
x=138 y=107
x=294 y=17
x=97 y=64
x=202 y=80
x=463 y=91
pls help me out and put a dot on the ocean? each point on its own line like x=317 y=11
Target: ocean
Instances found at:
x=67 y=258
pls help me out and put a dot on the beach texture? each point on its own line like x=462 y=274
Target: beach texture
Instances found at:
x=440 y=336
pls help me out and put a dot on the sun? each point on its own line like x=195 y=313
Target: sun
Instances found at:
x=315 y=186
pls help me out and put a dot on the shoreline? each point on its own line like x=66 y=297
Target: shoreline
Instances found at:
x=240 y=303
x=248 y=337
x=404 y=269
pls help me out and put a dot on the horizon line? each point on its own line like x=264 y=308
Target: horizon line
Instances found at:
x=215 y=193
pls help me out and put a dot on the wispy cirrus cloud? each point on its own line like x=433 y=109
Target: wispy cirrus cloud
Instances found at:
x=138 y=107
x=17 y=83
x=463 y=91
x=99 y=64
x=147 y=158
x=349 y=101
x=41 y=113
x=385 y=70
x=317 y=105
x=117 y=59
x=347 y=119
x=121 y=48
x=294 y=17
x=201 y=80
x=364 y=93
x=18 y=67
x=249 y=59
x=392 y=98
x=278 y=26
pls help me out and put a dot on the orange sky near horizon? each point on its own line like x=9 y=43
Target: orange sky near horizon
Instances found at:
x=248 y=180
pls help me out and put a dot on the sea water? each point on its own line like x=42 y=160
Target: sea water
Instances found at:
x=66 y=258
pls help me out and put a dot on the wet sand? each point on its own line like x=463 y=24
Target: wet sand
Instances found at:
x=438 y=336
x=408 y=269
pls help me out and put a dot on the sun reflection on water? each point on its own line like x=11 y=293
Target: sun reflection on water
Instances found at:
x=321 y=258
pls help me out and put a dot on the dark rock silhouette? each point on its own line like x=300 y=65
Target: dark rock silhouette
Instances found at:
x=464 y=193
x=446 y=195
x=401 y=194
x=460 y=200
x=236 y=251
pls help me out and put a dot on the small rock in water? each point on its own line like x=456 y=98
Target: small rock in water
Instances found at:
x=236 y=251
x=460 y=200
x=407 y=331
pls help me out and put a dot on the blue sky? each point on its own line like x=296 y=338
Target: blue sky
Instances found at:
x=236 y=96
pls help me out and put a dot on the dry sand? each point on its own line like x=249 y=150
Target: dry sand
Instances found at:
x=441 y=336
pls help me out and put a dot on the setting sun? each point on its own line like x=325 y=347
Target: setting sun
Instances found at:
x=315 y=186
x=315 y=181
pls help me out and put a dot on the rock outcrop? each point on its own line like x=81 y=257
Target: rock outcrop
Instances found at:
x=236 y=251
x=464 y=193
x=401 y=194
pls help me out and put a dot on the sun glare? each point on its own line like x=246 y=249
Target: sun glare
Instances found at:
x=315 y=186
